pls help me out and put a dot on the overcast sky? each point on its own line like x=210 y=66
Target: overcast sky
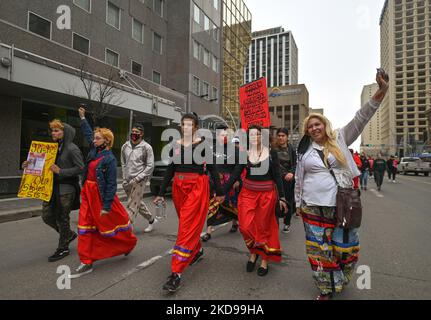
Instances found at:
x=339 y=48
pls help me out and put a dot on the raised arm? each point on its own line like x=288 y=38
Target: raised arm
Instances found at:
x=86 y=128
x=354 y=128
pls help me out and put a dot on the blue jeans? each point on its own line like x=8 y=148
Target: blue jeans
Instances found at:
x=364 y=178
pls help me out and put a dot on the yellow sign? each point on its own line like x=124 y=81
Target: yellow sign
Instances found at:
x=38 y=180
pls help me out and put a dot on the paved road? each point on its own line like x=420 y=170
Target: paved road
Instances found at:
x=394 y=239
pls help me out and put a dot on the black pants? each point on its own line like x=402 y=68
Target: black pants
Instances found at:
x=392 y=174
x=289 y=193
x=58 y=218
x=378 y=177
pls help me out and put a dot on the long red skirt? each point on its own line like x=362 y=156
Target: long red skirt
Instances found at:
x=191 y=196
x=102 y=237
x=258 y=223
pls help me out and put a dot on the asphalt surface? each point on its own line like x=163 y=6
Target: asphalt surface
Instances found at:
x=394 y=239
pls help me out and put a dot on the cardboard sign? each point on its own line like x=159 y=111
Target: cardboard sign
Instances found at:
x=254 y=104
x=37 y=181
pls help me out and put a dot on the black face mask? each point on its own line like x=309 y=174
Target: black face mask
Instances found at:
x=135 y=137
x=102 y=147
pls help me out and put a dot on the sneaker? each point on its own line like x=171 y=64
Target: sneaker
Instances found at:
x=82 y=270
x=286 y=229
x=198 y=257
x=394 y=181
x=173 y=283
x=150 y=227
x=59 y=254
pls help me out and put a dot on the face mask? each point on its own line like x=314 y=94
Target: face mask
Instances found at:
x=102 y=147
x=225 y=140
x=135 y=137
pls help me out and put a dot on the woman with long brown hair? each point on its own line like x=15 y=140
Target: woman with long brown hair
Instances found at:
x=332 y=251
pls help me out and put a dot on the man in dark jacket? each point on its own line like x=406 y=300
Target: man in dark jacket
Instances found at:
x=379 y=171
x=68 y=166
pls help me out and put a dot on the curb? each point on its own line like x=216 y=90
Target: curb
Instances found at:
x=36 y=211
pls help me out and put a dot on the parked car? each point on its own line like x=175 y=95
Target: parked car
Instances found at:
x=414 y=165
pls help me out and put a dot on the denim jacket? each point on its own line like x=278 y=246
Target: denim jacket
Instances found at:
x=106 y=171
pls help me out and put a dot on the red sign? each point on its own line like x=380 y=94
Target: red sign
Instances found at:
x=254 y=104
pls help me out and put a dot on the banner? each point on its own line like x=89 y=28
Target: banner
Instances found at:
x=37 y=181
x=254 y=104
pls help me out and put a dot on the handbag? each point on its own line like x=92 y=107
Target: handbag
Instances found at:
x=348 y=202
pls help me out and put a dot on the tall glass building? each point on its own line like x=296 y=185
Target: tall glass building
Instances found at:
x=236 y=42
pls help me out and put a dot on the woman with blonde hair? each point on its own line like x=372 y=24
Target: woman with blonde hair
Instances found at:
x=324 y=164
x=104 y=227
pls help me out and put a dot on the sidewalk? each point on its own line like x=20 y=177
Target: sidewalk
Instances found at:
x=15 y=209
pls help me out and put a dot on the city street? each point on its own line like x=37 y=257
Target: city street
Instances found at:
x=394 y=240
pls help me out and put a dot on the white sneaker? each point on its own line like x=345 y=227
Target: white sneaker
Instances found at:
x=150 y=227
x=394 y=181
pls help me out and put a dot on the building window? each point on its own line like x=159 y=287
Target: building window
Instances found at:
x=215 y=3
x=158 y=7
x=157 y=43
x=206 y=57
x=206 y=23
x=112 y=58
x=138 y=31
x=205 y=90
x=81 y=44
x=196 y=84
x=215 y=63
x=83 y=4
x=215 y=33
x=215 y=94
x=157 y=78
x=197 y=14
x=196 y=49
x=136 y=68
x=39 y=25
x=113 y=16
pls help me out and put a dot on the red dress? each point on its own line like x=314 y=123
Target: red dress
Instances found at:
x=102 y=237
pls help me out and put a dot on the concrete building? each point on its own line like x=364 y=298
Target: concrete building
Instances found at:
x=273 y=54
x=405 y=47
x=161 y=58
x=371 y=141
x=236 y=41
x=318 y=110
x=289 y=106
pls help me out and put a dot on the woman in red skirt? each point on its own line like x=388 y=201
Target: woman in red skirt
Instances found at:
x=104 y=227
x=191 y=196
x=257 y=200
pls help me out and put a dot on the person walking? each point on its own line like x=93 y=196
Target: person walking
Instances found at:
x=191 y=196
x=104 y=226
x=332 y=251
x=380 y=167
x=257 y=202
x=68 y=166
x=365 y=171
x=392 y=168
x=287 y=157
x=227 y=156
x=371 y=162
x=137 y=162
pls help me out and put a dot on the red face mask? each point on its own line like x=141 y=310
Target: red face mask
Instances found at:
x=135 y=137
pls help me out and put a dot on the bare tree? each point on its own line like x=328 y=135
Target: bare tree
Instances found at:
x=101 y=94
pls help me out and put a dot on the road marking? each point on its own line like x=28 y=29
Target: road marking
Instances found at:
x=377 y=194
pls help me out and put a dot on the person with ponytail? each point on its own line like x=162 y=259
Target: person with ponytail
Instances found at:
x=104 y=227
x=332 y=252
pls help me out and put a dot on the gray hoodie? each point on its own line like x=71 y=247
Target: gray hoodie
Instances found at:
x=137 y=162
x=70 y=161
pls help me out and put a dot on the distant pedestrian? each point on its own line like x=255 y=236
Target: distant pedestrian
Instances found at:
x=379 y=171
x=392 y=168
x=371 y=162
x=137 y=162
x=365 y=171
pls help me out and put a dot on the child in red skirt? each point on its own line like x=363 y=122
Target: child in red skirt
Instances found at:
x=104 y=227
x=191 y=197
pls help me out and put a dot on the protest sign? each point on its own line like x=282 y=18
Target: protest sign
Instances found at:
x=254 y=104
x=37 y=181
